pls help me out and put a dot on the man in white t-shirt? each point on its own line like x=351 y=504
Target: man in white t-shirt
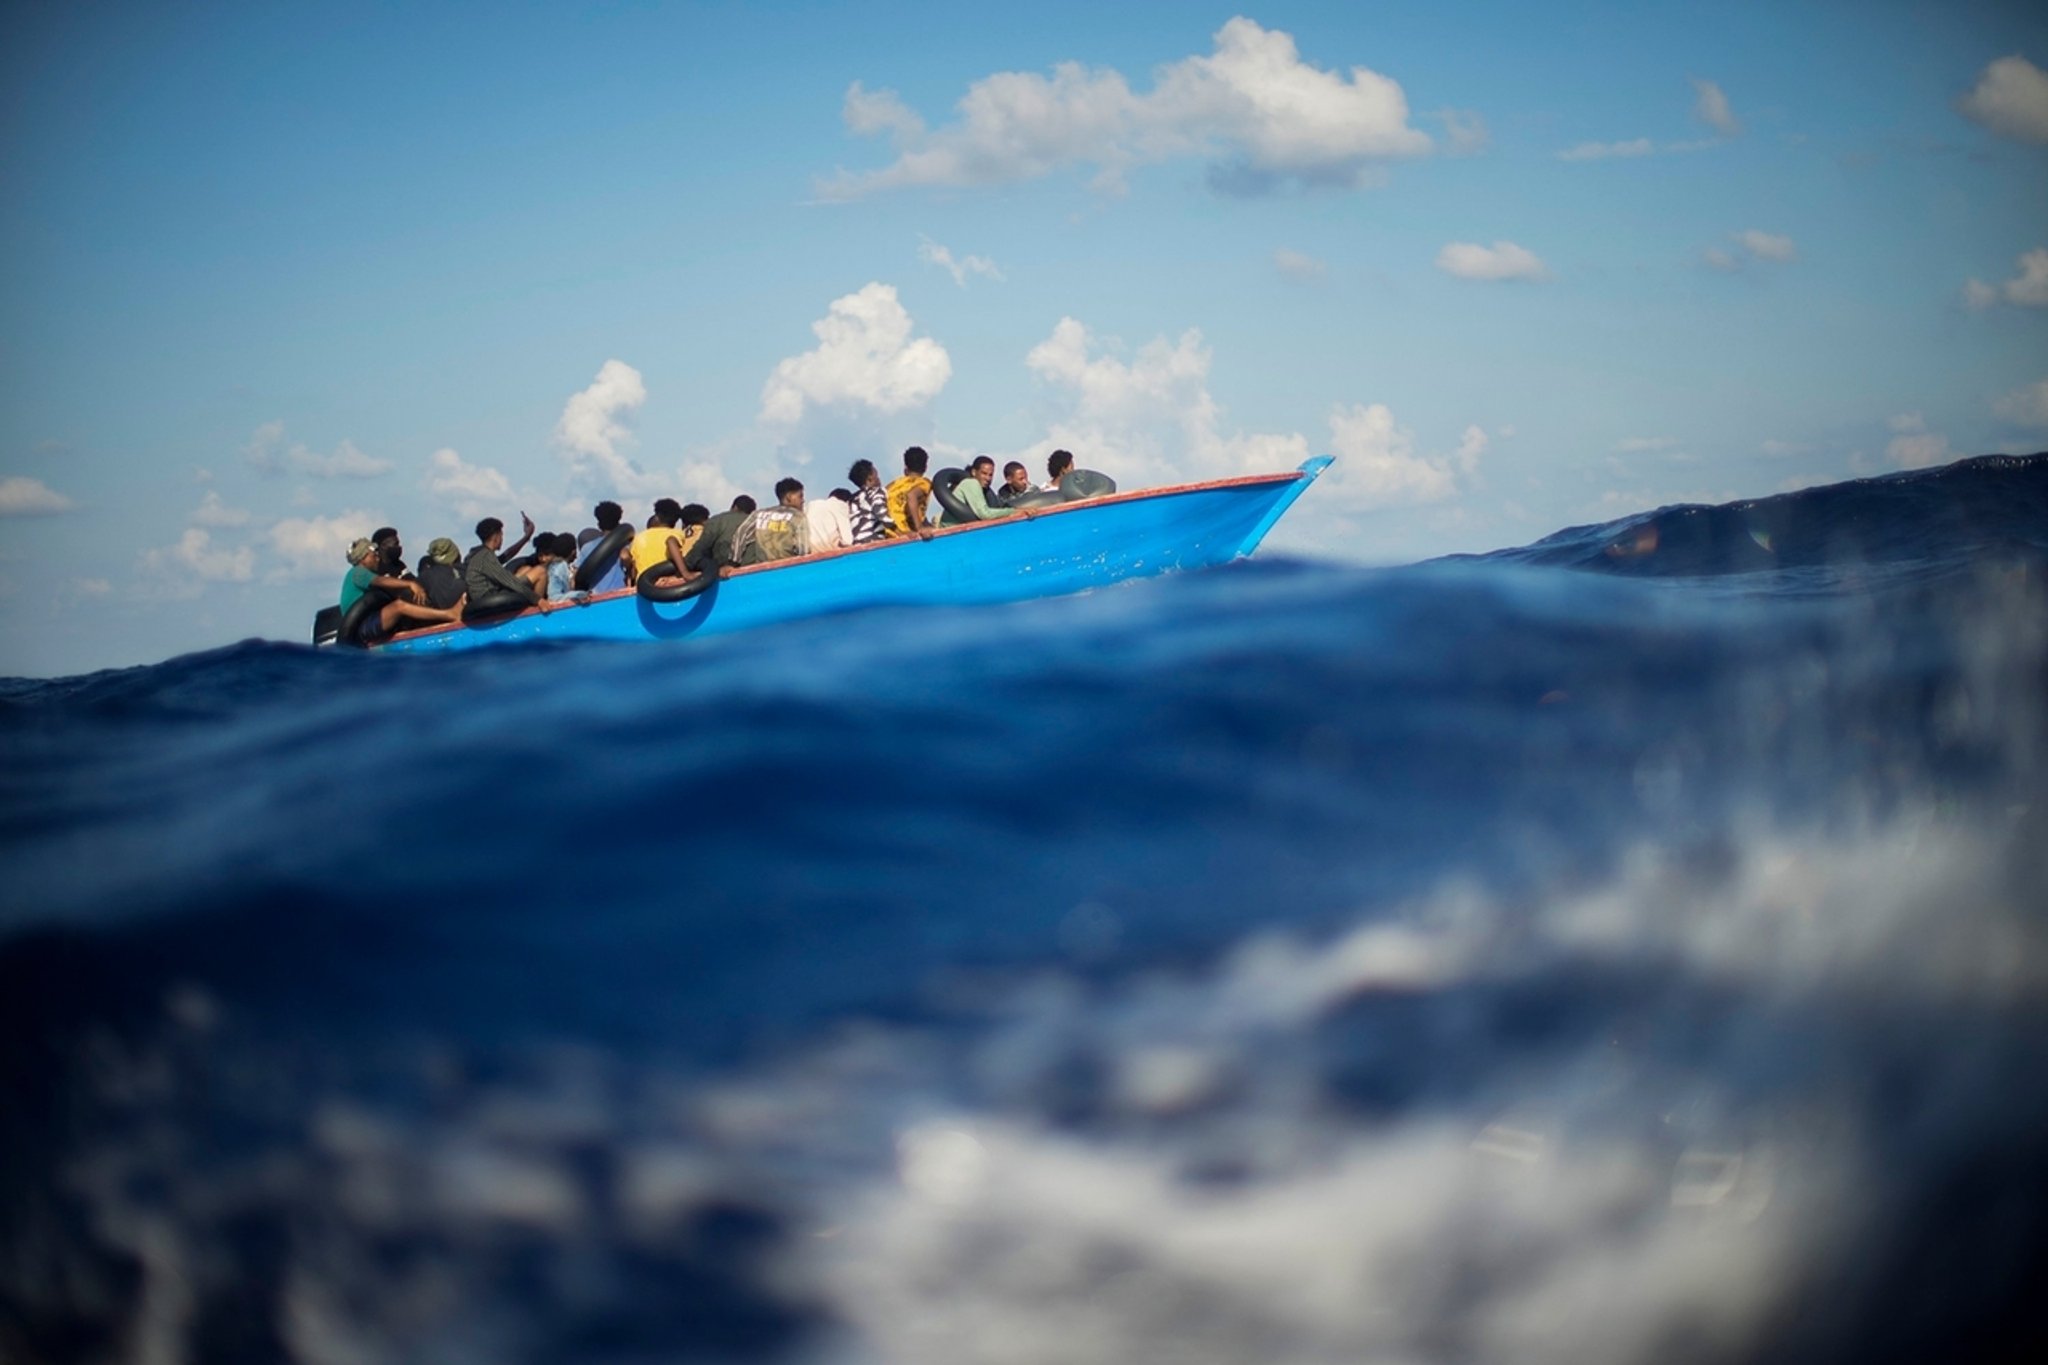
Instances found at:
x=831 y=521
x=1058 y=464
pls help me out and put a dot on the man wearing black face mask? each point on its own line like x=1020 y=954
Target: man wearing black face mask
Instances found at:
x=388 y=563
x=390 y=554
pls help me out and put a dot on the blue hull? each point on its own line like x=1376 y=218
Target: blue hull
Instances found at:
x=1050 y=552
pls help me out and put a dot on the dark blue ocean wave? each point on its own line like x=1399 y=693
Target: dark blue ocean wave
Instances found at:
x=1288 y=962
x=1923 y=522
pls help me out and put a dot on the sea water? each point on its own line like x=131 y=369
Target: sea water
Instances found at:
x=1627 y=947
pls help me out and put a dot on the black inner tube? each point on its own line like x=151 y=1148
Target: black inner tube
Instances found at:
x=604 y=552
x=352 y=620
x=503 y=602
x=663 y=584
x=1077 y=484
x=943 y=484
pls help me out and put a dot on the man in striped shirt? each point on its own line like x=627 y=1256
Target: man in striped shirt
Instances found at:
x=870 y=511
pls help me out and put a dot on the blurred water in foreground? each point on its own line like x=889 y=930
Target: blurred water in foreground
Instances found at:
x=1627 y=947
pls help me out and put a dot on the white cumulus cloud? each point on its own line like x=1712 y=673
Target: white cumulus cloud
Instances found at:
x=1252 y=107
x=592 y=427
x=211 y=511
x=1298 y=265
x=1471 y=446
x=1501 y=261
x=1377 y=465
x=21 y=496
x=1751 y=244
x=179 y=570
x=2027 y=406
x=2026 y=289
x=1710 y=106
x=2010 y=98
x=1767 y=246
x=268 y=451
x=1152 y=418
x=1913 y=446
x=1601 y=151
x=472 y=490
x=865 y=358
x=1465 y=132
x=317 y=547
x=959 y=268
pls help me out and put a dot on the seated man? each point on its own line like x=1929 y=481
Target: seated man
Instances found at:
x=870 y=507
x=831 y=519
x=390 y=560
x=974 y=491
x=441 y=573
x=658 y=550
x=910 y=496
x=608 y=515
x=1016 y=482
x=778 y=532
x=490 y=585
x=558 y=556
x=1059 y=463
x=406 y=600
x=713 y=550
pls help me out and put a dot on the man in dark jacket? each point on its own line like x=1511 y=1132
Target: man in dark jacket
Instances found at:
x=713 y=550
x=441 y=573
x=492 y=586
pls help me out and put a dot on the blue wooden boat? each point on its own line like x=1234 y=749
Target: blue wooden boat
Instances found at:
x=1041 y=552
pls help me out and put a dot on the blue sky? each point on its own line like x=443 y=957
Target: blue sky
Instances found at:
x=277 y=274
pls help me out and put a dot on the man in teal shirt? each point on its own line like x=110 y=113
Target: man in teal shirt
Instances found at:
x=400 y=600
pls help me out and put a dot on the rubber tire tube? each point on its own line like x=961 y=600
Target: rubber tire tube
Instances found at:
x=604 y=552
x=1077 y=484
x=956 y=511
x=352 y=619
x=503 y=602
x=656 y=586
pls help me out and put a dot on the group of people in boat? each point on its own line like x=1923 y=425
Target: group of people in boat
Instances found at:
x=681 y=541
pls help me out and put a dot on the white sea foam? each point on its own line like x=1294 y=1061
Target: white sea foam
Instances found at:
x=1600 y=1201
x=1641 y=1119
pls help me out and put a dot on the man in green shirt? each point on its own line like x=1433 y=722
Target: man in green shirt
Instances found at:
x=713 y=550
x=973 y=491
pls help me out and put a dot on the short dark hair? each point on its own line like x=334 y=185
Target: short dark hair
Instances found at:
x=487 y=528
x=858 y=475
x=382 y=534
x=565 y=545
x=695 y=514
x=667 y=511
x=841 y=494
x=607 y=514
x=743 y=503
x=784 y=487
x=1058 y=463
x=915 y=460
x=1013 y=467
x=981 y=460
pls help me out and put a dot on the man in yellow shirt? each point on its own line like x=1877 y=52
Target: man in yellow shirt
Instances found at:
x=910 y=496
x=659 y=549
